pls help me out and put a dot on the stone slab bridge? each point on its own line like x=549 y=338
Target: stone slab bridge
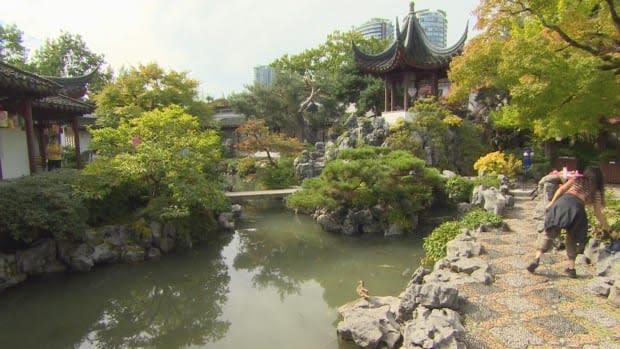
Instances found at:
x=240 y=196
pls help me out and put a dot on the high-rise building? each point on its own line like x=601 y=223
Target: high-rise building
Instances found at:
x=435 y=25
x=264 y=74
x=379 y=28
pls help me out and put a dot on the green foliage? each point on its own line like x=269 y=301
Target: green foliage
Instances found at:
x=278 y=177
x=167 y=153
x=41 y=206
x=146 y=88
x=116 y=204
x=435 y=243
x=400 y=139
x=560 y=78
x=69 y=158
x=246 y=166
x=455 y=142
x=310 y=196
x=332 y=65
x=459 y=189
x=486 y=180
x=612 y=213
x=479 y=216
x=12 y=50
x=68 y=56
x=498 y=163
x=368 y=176
x=256 y=137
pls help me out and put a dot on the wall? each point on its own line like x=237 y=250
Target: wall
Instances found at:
x=13 y=153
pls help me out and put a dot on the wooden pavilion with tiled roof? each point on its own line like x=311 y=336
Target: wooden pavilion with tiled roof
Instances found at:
x=40 y=101
x=411 y=65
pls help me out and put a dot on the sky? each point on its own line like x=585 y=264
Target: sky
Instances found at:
x=217 y=42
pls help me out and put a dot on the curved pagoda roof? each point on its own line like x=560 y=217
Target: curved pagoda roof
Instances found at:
x=410 y=49
x=15 y=82
x=74 y=87
x=60 y=107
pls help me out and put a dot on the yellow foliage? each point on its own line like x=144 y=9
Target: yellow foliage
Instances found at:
x=498 y=163
x=452 y=120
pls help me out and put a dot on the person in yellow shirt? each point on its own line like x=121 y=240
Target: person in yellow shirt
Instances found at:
x=54 y=155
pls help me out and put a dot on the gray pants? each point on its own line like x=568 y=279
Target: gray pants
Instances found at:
x=572 y=247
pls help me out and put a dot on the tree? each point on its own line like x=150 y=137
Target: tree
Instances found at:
x=590 y=26
x=146 y=88
x=332 y=63
x=68 y=56
x=165 y=151
x=364 y=177
x=12 y=50
x=255 y=136
x=554 y=87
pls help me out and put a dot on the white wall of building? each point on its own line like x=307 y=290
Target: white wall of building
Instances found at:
x=13 y=153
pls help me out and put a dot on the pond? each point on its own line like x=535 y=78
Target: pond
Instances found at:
x=275 y=283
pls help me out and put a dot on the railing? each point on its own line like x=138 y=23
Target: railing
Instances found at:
x=238 y=196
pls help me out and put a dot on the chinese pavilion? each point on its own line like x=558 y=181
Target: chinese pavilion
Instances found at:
x=38 y=102
x=411 y=66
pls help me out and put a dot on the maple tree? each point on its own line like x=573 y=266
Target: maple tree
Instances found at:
x=255 y=137
x=558 y=62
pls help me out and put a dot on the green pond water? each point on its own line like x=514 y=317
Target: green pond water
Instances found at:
x=275 y=283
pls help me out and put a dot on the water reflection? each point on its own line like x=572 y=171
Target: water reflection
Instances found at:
x=280 y=254
x=178 y=310
x=158 y=304
x=276 y=283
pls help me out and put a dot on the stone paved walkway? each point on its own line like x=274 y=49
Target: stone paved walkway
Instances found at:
x=542 y=310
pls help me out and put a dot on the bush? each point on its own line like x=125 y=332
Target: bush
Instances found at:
x=487 y=181
x=435 y=243
x=364 y=177
x=459 y=189
x=279 y=177
x=477 y=217
x=41 y=206
x=498 y=163
x=246 y=166
x=310 y=197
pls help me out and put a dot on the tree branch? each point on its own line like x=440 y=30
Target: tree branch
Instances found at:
x=614 y=14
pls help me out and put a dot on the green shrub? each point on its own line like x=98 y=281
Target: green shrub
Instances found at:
x=279 y=177
x=364 y=177
x=69 y=158
x=479 y=216
x=310 y=197
x=246 y=166
x=435 y=243
x=41 y=206
x=459 y=189
x=487 y=181
x=108 y=199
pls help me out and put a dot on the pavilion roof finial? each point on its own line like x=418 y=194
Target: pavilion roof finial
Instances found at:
x=412 y=7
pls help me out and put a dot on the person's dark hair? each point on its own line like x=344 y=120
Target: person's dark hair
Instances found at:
x=594 y=176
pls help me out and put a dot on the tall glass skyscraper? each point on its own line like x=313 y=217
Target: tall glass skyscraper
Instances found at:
x=264 y=74
x=379 y=28
x=435 y=25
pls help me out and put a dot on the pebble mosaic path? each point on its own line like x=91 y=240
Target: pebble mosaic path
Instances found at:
x=544 y=310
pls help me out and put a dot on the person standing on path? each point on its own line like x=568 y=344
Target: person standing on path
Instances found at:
x=54 y=154
x=566 y=210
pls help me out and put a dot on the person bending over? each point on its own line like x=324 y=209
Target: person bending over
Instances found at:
x=566 y=210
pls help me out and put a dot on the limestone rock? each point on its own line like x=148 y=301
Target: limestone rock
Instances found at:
x=434 y=328
x=370 y=323
x=10 y=274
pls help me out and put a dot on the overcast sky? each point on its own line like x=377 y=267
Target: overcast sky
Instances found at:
x=218 y=42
